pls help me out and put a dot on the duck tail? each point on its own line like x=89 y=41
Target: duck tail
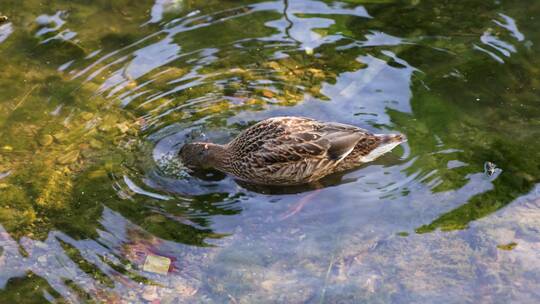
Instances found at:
x=392 y=138
x=388 y=142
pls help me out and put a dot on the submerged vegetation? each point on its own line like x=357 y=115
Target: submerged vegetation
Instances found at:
x=95 y=94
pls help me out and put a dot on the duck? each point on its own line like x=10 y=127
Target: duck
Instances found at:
x=289 y=150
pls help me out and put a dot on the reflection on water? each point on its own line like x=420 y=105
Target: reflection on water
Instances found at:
x=96 y=99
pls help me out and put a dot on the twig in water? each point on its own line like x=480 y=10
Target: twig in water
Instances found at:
x=23 y=99
x=332 y=260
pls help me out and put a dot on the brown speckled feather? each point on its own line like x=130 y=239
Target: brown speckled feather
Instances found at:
x=291 y=150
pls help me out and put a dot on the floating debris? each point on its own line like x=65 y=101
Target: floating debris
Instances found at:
x=489 y=168
x=157 y=264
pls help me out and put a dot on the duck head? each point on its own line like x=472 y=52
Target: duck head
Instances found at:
x=203 y=155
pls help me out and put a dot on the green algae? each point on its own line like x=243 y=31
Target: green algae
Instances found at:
x=509 y=246
x=63 y=153
x=86 y=266
x=29 y=289
x=63 y=165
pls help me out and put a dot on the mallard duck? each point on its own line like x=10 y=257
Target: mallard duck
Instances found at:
x=290 y=151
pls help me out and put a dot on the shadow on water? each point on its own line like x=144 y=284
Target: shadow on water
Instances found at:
x=97 y=98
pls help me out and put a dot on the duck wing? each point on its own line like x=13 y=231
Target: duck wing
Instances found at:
x=306 y=151
x=295 y=148
x=341 y=144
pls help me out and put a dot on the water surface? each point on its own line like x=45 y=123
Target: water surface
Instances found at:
x=96 y=97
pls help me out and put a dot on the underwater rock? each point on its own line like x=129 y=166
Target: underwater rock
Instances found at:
x=45 y=140
x=7 y=148
x=96 y=144
x=68 y=158
x=60 y=137
x=185 y=289
x=316 y=73
x=123 y=127
x=274 y=65
x=87 y=115
x=268 y=94
x=268 y=285
x=150 y=293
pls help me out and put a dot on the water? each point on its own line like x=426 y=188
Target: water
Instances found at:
x=96 y=96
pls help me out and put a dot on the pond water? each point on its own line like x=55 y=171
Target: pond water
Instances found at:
x=96 y=97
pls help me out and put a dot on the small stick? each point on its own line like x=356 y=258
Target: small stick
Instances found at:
x=23 y=99
x=332 y=260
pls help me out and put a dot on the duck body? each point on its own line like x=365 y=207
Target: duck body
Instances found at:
x=290 y=151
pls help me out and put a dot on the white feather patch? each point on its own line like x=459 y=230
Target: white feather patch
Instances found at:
x=380 y=150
